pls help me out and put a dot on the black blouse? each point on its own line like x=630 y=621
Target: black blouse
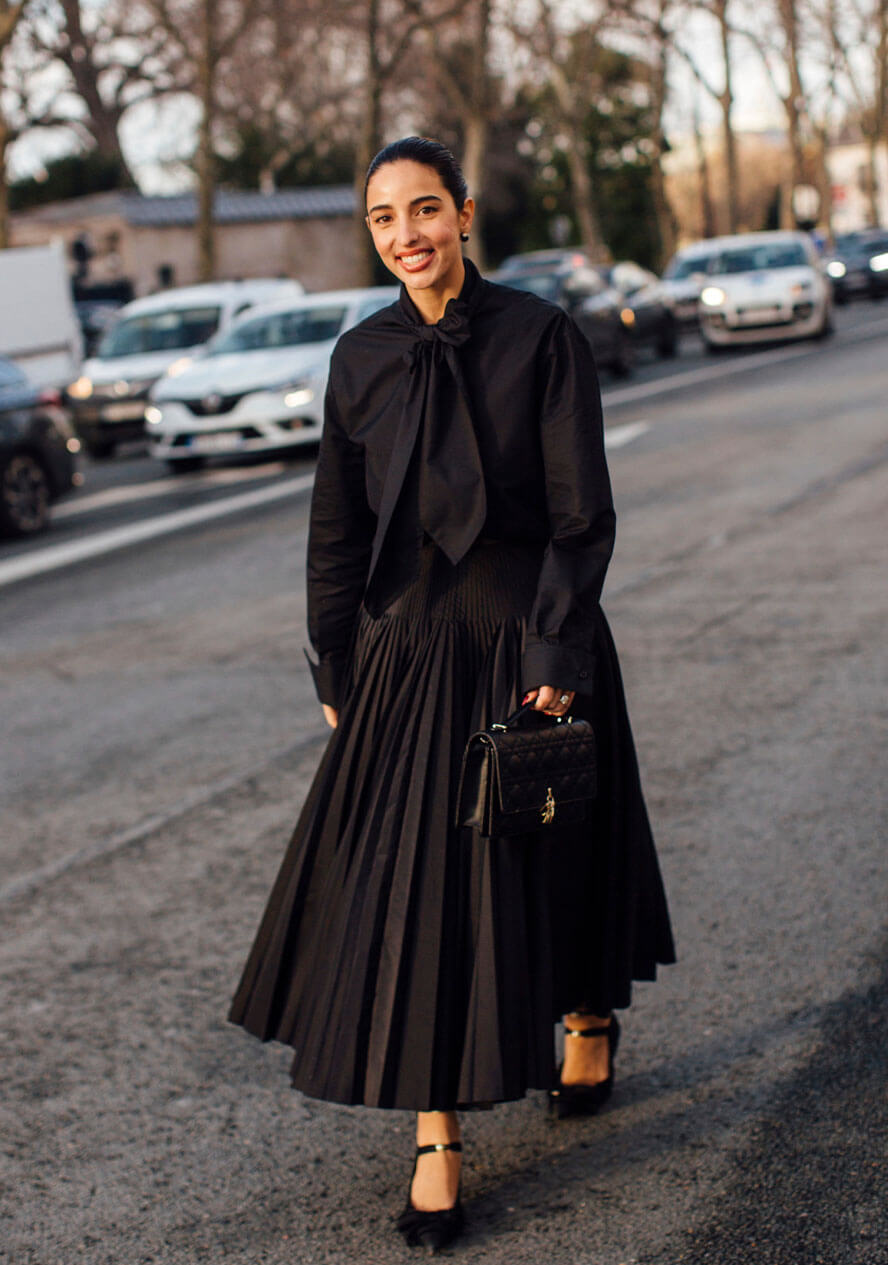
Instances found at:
x=486 y=424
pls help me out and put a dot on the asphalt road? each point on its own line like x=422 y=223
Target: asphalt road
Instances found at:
x=159 y=733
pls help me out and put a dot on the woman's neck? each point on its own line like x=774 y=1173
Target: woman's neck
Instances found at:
x=430 y=301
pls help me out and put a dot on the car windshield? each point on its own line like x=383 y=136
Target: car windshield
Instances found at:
x=282 y=329
x=544 y=284
x=684 y=266
x=758 y=258
x=168 y=330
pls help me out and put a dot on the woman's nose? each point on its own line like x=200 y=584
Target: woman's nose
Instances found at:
x=407 y=233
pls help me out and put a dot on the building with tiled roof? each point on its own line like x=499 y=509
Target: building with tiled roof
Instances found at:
x=307 y=234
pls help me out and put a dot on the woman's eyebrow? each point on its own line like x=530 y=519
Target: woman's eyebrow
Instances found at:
x=384 y=206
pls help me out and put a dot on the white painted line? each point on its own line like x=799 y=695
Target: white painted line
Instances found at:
x=126 y=493
x=618 y=436
x=693 y=376
x=741 y=364
x=55 y=556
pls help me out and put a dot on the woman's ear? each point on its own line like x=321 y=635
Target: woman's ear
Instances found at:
x=466 y=215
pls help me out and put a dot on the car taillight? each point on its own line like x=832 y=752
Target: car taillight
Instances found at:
x=50 y=397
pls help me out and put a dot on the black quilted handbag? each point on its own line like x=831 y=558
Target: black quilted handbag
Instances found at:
x=517 y=779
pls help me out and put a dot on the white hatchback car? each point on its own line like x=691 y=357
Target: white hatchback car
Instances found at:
x=259 y=386
x=147 y=336
x=761 y=287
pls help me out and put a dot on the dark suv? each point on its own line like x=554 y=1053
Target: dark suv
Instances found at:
x=37 y=447
x=569 y=278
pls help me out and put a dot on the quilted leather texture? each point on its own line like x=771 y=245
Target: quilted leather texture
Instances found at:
x=518 y=780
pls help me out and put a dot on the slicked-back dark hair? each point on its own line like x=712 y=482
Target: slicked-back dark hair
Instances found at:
x=422 y=149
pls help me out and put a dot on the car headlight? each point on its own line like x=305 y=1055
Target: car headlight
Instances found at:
x=179 y=366
x=627 y=316
x=712 y=296
x=82 y=389
x=153 y=415
x=879 y=263
x=802 y=287
x=298 y=396
x=835 y=268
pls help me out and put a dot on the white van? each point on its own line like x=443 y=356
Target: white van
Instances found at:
x=150 y=334
x=39 y=329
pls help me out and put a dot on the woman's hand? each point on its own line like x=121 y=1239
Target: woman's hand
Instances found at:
x=551 y=700
x=331 y=715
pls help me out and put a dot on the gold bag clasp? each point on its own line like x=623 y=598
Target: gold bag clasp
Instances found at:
x=547 y=812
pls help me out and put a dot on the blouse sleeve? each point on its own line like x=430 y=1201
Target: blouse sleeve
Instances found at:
x=559 y=647
x=340 y=540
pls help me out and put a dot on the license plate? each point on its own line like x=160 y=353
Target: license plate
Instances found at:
x=215 y=443
x=125 y=411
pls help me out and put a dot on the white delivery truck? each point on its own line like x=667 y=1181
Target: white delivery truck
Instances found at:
x=39 y=329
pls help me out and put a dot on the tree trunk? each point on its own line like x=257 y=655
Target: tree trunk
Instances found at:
x=101 y=120
x=662 y=209
x=474 y=147
x=4 y=184
x=794 y=105
x=582 y=189
x=475 y=128
x=726 y=101
x=707 y=210
x=206 y=164
x=369 y=144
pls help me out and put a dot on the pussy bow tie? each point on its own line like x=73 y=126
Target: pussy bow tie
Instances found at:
x=452 y=500
x=436 y=451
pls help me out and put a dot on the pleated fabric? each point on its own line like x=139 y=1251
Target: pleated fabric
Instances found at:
x=410 y=963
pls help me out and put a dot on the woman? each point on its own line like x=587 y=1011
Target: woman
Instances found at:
x=461 y=526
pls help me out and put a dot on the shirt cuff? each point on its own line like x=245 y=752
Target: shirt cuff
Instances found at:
x=549 y=663
x=328 y=675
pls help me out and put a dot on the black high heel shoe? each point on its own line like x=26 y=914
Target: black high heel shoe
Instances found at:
x=431 y=1230
x=585 y=1100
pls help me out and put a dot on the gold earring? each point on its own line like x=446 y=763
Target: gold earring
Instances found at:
x=463 y=237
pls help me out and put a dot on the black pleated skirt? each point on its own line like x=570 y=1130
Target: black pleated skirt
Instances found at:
x=412 y=964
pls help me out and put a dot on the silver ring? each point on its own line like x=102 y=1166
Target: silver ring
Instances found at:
x=565 y=698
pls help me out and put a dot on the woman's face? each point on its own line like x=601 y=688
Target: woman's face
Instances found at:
x=416 y=226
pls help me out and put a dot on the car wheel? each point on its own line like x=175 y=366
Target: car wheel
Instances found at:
x=186 y=465
x=99 y=449
x=24 y=495
x=667 y=344
x=623 y=361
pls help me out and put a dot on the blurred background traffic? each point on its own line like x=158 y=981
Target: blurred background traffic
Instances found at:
x=181 y=237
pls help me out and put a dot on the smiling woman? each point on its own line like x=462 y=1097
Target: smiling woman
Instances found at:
x=461 y=527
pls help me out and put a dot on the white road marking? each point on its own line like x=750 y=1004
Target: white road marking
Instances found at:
x=617 y=436
x=739 y=364
x=693 y=376
x=129 y=492
x=55 y=556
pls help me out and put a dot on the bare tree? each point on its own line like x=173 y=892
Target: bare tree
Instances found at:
x=560 y=52
x=10 y=17
x=722 y=93
x=457 y=59
x=856 y=34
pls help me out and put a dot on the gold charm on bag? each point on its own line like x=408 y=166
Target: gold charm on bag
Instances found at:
x=547 y=812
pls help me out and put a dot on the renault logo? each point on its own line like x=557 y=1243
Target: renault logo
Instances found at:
x=211 y=403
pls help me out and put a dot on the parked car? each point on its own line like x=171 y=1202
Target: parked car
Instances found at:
x=109 y=397
x=763 y=287
x=37 y=452
x=260 y=385
x=859 y=265
x=570 y=279
x=647 y=306
x=682 y=281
